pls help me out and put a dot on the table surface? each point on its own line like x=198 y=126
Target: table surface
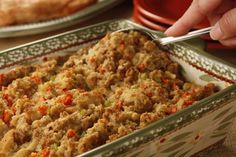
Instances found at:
x=124 y=10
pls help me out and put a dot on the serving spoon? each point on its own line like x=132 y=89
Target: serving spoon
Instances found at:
x=168 y=40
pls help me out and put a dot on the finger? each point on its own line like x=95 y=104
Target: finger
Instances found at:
x=231 y=42
x=215 y=15
x=214 y=18
x=225 y=27
x=196 y=13
x=224 y=6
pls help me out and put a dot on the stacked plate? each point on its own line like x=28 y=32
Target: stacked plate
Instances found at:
x=58 y=23
x=161 y=14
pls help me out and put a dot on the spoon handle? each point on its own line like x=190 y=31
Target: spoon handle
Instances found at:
x=168 y=40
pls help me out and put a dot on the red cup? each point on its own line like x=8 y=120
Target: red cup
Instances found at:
x=165 y=11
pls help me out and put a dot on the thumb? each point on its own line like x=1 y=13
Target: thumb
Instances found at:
x=225 y=27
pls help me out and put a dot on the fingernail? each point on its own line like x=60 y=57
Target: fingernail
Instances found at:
x=216 y=33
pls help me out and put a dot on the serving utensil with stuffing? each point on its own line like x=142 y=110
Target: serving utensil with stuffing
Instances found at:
x=168 y=40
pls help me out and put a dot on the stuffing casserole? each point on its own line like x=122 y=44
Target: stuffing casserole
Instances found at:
x=69 y=105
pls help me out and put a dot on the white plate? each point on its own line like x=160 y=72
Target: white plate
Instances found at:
x=46 y=26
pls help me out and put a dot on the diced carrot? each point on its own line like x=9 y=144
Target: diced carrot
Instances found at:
x=13 y=108
x=122 y=45
x=141 y=67
x=49 y=89
x=8 y=99
x=174 y=109
x=2 y=78
x=41 y=99
x=67 y=101
x=101 y=69
x=6 y=117
x=35 y=79
x=33 y=154
x=42 y=109
x=165 y=81
x=186 y=94
x=175 y=86
x=187 y=103
x=45 y=152
x=92 y=59
x=149 y=94
x=119 y=105
x=171 y=110
x=71 y=133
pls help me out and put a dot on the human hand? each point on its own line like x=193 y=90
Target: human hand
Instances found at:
x=221 y=14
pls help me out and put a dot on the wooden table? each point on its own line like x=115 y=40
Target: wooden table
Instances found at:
x=125 y=11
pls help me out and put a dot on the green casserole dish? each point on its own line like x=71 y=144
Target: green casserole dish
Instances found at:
x=188 y=132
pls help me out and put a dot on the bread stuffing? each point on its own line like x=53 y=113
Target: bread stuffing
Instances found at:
x=66 y=106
